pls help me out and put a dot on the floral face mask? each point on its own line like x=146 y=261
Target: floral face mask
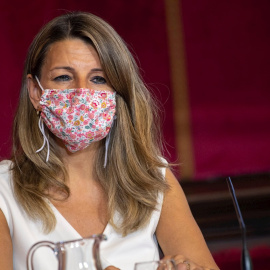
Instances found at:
x=78 y=116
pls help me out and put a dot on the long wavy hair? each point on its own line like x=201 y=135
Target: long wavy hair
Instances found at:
x=132 y=178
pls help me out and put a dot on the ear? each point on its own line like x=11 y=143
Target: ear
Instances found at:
x=34 y=91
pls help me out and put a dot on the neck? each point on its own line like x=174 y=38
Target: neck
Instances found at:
x=80 y=165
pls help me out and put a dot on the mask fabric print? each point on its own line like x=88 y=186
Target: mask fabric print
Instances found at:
x=78 y=116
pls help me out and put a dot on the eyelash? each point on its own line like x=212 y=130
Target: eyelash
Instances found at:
x=98 y=80
x=95 y=79
x=62 y=78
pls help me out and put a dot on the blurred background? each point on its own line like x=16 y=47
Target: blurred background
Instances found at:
x=208 y=63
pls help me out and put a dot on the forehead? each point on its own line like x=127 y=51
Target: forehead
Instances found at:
x=73 y=52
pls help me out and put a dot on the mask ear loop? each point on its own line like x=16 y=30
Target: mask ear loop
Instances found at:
x=39 y=84
x=45 y=139
x=107 y=142
x=41 y=128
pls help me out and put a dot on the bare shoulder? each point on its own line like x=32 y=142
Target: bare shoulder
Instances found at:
x=177 y=231
x=5 y=244
x=175 y=206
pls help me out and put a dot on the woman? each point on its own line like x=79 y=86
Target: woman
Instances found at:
x=86 y=158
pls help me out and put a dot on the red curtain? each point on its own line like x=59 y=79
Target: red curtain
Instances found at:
x=228 y=65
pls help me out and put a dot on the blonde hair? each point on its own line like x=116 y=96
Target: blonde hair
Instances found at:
x=132 y=177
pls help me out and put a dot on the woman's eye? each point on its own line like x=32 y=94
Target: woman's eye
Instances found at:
x=62 y=78
x=98 y=80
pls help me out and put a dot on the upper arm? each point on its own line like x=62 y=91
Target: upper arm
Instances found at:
x=5 y=244
x=177 y=231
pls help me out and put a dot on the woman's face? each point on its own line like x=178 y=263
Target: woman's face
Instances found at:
x=72 y=63
x=69 y=64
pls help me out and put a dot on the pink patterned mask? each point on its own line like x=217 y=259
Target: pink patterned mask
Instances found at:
x=78 y=116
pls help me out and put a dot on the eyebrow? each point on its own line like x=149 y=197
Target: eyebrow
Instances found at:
x=72 y=69
x=97 y=69
x=67 y=68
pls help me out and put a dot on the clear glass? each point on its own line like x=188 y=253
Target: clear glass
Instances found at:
x=71 y=255
x=156 y=265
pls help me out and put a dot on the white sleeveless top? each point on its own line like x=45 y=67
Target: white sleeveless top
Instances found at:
x=119 y=251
